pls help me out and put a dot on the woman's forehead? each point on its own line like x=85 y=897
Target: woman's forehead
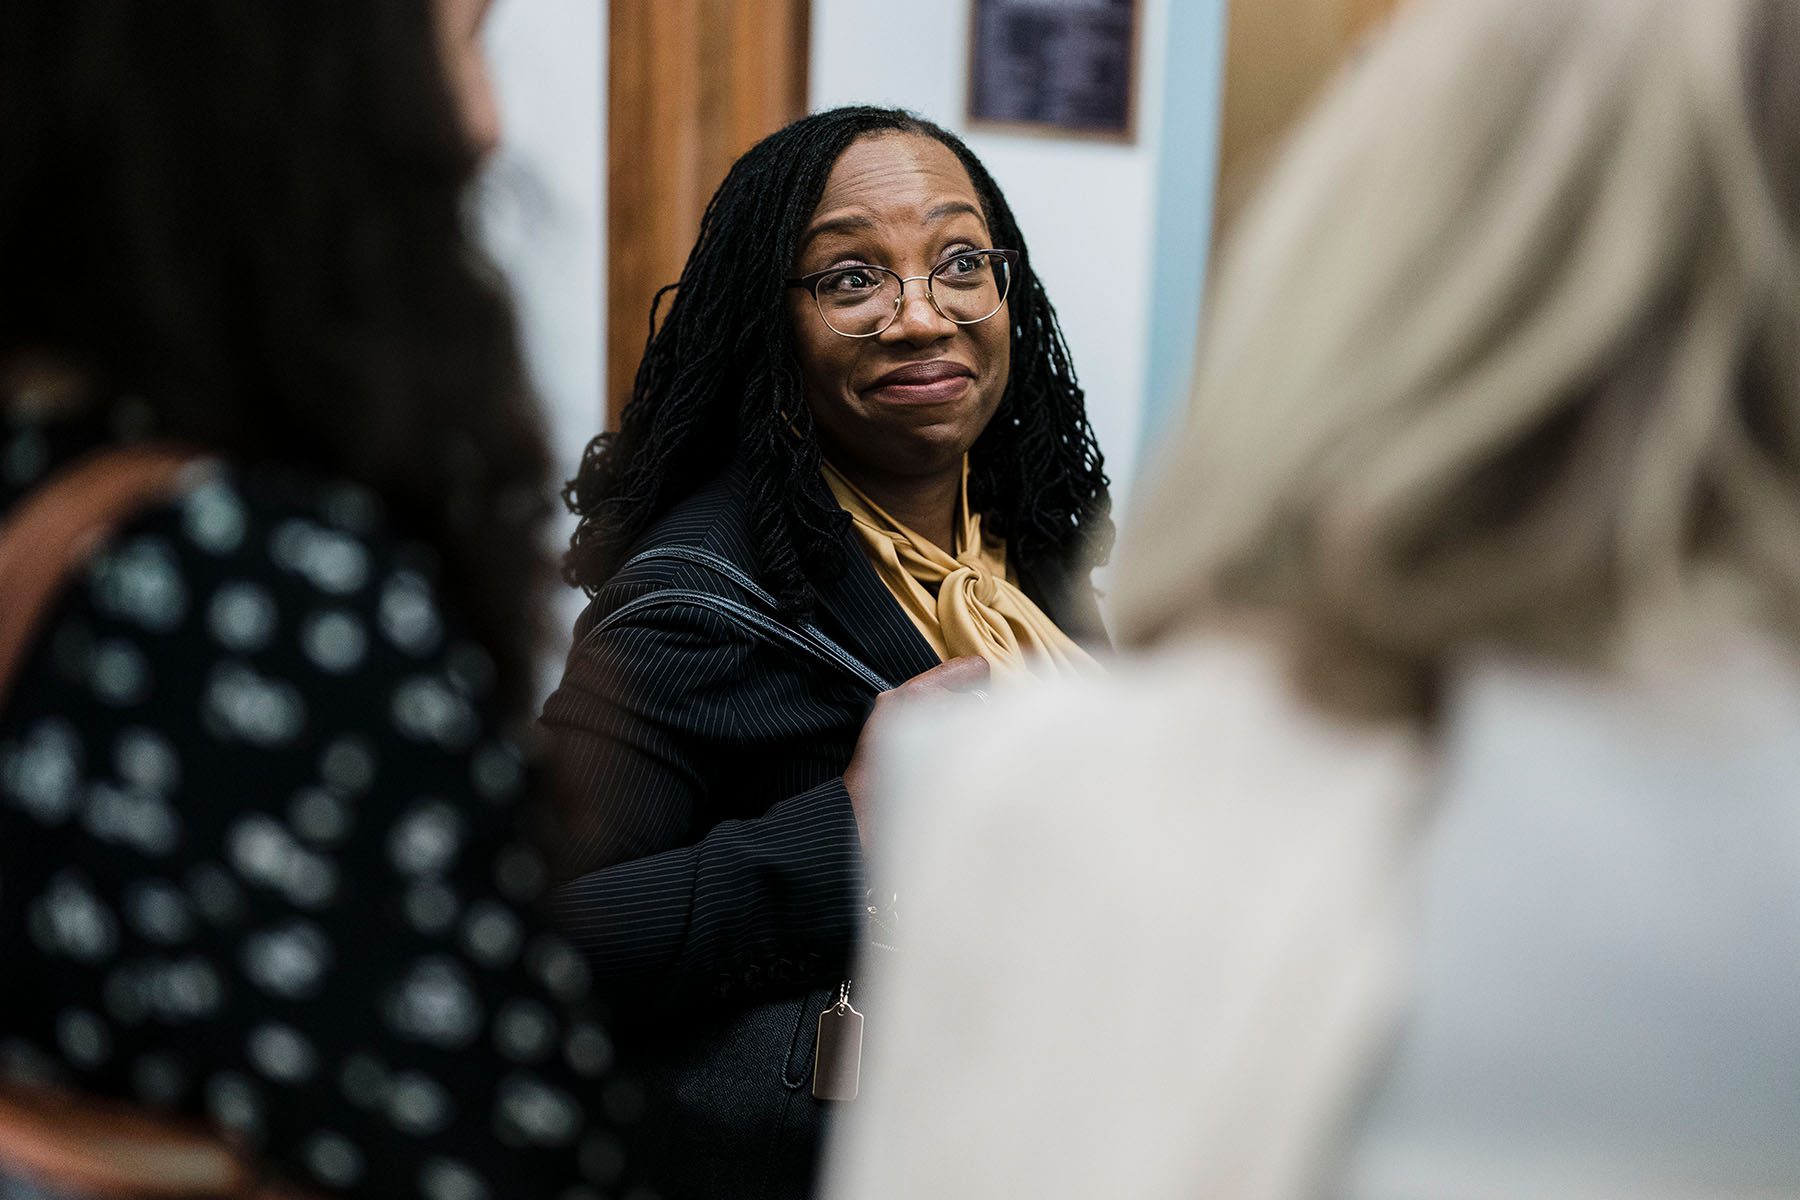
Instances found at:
x=897 y=178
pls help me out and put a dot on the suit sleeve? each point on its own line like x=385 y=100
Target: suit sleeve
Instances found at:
x=646 y=722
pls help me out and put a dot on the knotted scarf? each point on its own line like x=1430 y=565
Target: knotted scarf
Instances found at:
x=965 y=603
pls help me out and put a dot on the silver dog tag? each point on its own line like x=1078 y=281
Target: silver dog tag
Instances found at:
x=837 y=1057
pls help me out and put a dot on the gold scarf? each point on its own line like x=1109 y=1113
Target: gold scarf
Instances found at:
x=976 y=608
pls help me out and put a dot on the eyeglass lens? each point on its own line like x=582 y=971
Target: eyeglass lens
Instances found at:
x=860 y=301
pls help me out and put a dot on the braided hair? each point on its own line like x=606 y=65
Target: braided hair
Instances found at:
x=719 y=379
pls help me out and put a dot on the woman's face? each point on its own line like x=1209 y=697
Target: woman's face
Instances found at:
x=465 y=68
x=908 y=402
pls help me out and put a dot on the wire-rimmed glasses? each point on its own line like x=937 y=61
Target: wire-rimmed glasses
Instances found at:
x=862 y=301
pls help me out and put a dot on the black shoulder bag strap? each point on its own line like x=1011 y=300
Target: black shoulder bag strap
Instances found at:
x=766 y=622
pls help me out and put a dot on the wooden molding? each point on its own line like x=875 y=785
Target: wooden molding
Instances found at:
x=691 y=85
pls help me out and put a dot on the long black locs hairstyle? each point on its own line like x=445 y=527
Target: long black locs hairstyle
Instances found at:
x=251 y=216
x=719 y=379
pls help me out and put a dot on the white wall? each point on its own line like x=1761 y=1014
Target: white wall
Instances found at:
x=544 y=217
x=1089 y=210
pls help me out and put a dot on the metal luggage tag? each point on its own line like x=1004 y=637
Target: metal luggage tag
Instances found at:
x=837 y=1057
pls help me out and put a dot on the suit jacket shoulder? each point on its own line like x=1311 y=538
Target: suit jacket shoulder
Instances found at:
x=713 y=519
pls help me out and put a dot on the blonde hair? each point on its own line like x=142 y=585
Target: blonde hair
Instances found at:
x=1507 y=348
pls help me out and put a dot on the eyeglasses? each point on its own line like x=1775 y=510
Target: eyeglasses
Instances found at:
x=861 y=301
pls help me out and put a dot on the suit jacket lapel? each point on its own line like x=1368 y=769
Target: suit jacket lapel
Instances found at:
x=865 y=616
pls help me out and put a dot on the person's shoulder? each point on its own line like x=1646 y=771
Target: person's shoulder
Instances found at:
x=721 y=498
x=668 y=597
x=714 y=517
x=1198 y=737
x=685 y=547
x=1228 y=699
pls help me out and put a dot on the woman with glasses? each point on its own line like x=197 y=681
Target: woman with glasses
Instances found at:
x=856 y=456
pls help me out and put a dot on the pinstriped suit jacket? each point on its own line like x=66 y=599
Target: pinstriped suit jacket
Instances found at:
x=718 y=874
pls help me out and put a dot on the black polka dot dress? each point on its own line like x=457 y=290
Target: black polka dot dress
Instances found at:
x=260 y=863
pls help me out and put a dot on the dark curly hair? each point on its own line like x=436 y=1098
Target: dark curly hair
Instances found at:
x=719 y=378
x=250 y=215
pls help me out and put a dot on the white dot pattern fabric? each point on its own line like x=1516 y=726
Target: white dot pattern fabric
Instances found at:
x=259 y=858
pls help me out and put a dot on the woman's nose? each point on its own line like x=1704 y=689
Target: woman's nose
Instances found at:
x=918 y=319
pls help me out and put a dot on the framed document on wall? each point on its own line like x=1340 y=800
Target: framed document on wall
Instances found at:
x=1055 y=66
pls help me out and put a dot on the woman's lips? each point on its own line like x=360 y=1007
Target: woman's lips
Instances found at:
x=921 y=383
x=942 y=391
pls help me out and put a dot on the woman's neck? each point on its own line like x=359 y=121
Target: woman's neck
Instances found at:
x=927 y=505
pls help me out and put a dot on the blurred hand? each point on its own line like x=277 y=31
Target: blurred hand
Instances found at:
x=953 y=682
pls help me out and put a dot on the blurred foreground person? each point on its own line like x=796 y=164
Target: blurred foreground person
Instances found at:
x=1445 y=843
x=260 y=858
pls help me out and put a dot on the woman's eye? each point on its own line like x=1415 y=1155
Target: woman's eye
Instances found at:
x=964 y=270
x=848 y=281
x=963 y=261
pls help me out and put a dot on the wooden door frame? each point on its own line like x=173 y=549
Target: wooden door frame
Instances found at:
x=691 y=85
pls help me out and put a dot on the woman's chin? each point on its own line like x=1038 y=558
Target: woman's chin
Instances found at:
x=918 y=454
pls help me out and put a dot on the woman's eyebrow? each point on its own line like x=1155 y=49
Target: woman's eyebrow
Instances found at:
x=857 y=223
x=951 y=208
x=848 y=223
